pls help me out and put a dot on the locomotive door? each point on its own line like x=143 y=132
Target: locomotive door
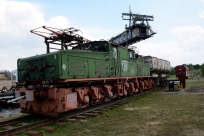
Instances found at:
x=115 y=61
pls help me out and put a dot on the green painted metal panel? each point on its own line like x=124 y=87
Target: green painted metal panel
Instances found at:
x=143 y=68
x=123 y=61
x=127 y=63
x=91 y=67
x=102 y=68
x=81 y=64
x=40 y=67
x=86 y=64
x=77 y=66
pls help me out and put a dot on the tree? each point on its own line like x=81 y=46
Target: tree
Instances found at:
x=190 y=67
x=197 y=66
x=172 y=72
x=202 y=69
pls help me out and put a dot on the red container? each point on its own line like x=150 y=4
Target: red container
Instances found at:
x=182 y=70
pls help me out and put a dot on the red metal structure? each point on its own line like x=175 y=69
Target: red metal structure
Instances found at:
x=182 y=72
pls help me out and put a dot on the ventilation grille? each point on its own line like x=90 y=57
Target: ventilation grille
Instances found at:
x=101 y=68
x=77 y=66
x=139 y=70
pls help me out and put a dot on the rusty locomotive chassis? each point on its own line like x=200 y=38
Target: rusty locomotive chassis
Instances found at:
x=56 y=97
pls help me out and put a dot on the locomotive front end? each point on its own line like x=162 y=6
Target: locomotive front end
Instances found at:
x=37 y=78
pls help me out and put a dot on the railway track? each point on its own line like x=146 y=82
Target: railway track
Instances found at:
x=23 y=125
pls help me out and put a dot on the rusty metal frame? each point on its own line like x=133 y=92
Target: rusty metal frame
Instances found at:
x=102 y=79
x=63 y=37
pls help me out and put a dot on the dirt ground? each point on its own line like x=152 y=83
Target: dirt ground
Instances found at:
x=10 y=113
x=197 y=89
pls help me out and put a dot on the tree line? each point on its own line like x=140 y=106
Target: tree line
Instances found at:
x=195 y=69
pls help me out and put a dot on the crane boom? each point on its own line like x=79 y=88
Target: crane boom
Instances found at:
x=138 y=29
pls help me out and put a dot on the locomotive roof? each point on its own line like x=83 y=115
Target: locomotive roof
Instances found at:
x=113 y=44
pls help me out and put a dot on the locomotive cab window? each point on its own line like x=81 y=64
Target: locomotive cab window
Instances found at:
x=100 y=47
x=96 y=47
x=115 y=52
x=130 y=54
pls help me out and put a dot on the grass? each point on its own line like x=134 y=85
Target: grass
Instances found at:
x=151 y=114
x=190 y=84
x=172 y=77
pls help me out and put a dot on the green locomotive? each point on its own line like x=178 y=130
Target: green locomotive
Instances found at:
x=92 y=60
x=90 y=72
x=82 y=72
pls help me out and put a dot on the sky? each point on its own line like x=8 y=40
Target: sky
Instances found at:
x=179 y=25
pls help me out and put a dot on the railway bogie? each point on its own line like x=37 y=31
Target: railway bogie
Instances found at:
x=55 y=100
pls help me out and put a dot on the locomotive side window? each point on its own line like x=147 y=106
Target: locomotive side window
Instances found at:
x=115 y=52
x=97 y=47
x=100 y=47
x=130 y=53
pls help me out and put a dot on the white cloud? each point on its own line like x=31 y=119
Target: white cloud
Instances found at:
x=18 y=18
x=190 y=36
x=98 y=33
x=188 y=49
x=16 y=21
x=201 y=15
x=59 y=22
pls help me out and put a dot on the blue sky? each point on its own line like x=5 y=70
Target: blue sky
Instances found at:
x=179 y=25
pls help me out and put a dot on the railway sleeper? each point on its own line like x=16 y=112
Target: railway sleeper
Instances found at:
x=71 y=120
x=33 y=133
x=90 y=114
x=48 y=128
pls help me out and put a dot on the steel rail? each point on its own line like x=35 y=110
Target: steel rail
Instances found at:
x=16 y=120
x=61 y=117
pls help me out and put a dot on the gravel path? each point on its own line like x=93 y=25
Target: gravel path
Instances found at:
x=10 y=113
x=197 y=88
